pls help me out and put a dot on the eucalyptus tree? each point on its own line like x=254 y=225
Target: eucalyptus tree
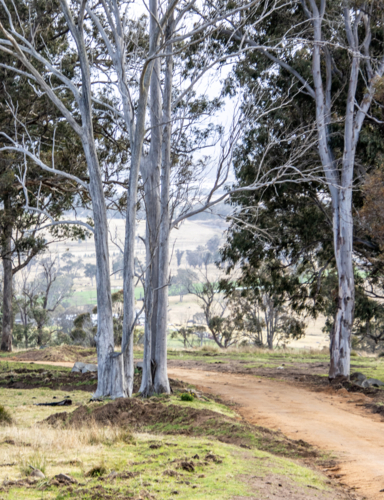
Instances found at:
x=334 y=52
x=20 y=237
x=49 y=74
x=180 y=200
x=139 y=60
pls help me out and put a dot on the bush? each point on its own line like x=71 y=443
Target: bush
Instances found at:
x=5 y=416
x=186 y=396
x=97 y=471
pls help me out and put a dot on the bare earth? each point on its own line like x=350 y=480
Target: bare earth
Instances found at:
x=328 y=421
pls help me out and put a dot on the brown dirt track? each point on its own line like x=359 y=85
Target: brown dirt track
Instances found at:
x=328 y=421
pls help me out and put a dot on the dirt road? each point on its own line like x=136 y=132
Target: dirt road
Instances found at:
x=330 y=421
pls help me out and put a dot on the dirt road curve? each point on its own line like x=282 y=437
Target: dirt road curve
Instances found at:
x=327 y=421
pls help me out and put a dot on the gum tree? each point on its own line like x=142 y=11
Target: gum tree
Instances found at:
x=331 y=35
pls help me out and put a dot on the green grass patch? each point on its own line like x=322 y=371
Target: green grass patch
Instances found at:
x=158 y=468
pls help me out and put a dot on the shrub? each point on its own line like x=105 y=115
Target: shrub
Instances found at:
x=5 y=416
x=186 y=396
x=97 y=471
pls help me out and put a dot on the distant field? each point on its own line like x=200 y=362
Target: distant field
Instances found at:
x=88 y=297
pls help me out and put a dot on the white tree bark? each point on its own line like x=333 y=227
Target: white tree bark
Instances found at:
x=151 y=180
x=20 y=46
x=161 y=382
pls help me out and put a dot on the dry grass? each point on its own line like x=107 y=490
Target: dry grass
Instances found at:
x=36 y=460
x=51 y=450
x=259 y=351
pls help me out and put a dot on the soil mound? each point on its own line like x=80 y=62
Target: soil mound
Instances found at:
x=29 y=378
x=61 y=353
x=155 y=415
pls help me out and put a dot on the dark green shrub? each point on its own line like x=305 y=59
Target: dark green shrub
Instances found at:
x=186 y=396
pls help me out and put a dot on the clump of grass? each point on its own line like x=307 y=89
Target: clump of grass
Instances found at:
x=97 y=470
x=109 y=436
x=5 y=416
x=35 y=461
x=208 y=349
x=186 y=396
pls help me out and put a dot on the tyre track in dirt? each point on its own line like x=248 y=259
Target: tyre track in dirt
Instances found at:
x=332 y=422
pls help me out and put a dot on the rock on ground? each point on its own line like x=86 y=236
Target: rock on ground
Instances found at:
x=80 y=367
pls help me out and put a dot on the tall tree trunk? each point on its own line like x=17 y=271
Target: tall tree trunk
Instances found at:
x=130 y=230
x=343 y=230
x=161 y=382
x=109 y=383
x=6 y=341
x=39 y=335
x=146 y=388
x=151 y=180
x=340 y=187
x=340 y=347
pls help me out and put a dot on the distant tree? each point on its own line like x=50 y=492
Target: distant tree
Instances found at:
x=39 y=293
x=179 y=255
x=83 y=331
x=46 y=293
x=193 y=258
x=213 y=245
x=70 y=266
x=118 y=266
x=190 y=335
x=214 y=304
x=118 y=313
x=90 y=271
x=182 y=282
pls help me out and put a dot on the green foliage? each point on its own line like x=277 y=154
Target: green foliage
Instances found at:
x=84 y=331
x=186 y=396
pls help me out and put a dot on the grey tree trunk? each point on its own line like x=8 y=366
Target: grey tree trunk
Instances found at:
x=151 y=180
x=130 y=231
x=340 y=346
x=150 y=169
x=109 y=383
x=146 y=388
x=161 y=382
x=340 y=184
x=6 y=340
